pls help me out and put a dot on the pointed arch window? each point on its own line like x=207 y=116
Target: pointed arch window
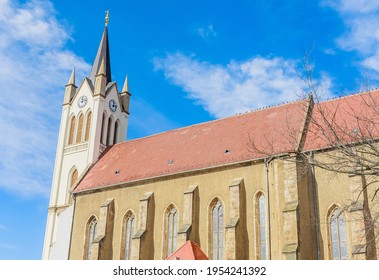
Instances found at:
x=261 y=227
x=338 y=235
x=88 y=126
x=72 y=131
x=115 y=132
x=102 y=129
x=91 y=235
x=73 y=179
x=217 y=231
x=128 y=235
x=171 y=230
x=79 y=133
x=109 y=141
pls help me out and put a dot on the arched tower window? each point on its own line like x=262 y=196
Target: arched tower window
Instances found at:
x=72 y=131
x=338 y=235
x=109 y=133
x=88 y=126
x=79 y=133
x=217 y=230
x=73 y=179
x=128 y=232
x=91 y=235
x=115 y=134
x=103 y=123
x=171 y=230
x=261 y=227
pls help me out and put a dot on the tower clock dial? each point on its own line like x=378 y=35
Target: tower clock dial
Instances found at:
x=112 y=105
x=82 y=101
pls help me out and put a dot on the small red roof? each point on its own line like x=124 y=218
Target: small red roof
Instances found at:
x=220 y=142
x=189 y=251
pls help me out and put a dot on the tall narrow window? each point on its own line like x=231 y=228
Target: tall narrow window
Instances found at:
x=109 y=131
x=217 y=231
x=88 y=126
x=102 y=130
x=338 y=235
x=72 y=131
x=129 y=231
x=261 y=227
x=79 y=133
x=74 y=177
x=172 y=230
x=91 y=235
x=115 y=132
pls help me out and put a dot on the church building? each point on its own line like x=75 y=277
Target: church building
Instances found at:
x=207 y=186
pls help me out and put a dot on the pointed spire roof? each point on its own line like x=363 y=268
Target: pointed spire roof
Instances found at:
x=125 y=88
x=71 y=81
x=102 y=54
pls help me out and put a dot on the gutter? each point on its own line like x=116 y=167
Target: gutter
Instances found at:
x=268 y=249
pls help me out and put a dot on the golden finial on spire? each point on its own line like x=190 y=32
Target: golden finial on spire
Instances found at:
x=107 y=14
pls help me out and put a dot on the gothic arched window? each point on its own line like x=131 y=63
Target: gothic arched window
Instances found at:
x=109 y=133
x=103 y=123
x=115 y=134
x=129 y=222
x=79 y=133
x=72 y=131
x=88 y=126
x=261 y=227
x=171 y=231
x=73 y=179
x=217 y=230
x=91 y=235
x=338 y=235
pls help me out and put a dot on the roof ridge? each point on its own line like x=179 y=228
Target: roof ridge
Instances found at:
x=350 y=95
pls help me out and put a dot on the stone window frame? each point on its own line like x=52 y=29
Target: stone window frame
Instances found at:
x=216 y=201
x=173 y=224
x=333 y=210
x=90 y=238
x=258 y=225
x=129 y=215
x=73 y=177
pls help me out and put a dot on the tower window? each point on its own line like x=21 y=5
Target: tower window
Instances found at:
x=72 y=131
x=88 y=126
x=79 y=133
x=115 y=135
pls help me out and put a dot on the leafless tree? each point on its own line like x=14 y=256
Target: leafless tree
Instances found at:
x=345 y=131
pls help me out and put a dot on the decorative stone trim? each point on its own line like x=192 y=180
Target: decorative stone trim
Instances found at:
x=75 y=148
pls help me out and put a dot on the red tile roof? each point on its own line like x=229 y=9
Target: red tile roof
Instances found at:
x=220 y=142
x=343 y=120
x=189 y=251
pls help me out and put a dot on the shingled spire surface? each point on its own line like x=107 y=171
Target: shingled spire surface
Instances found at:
x=102 y=53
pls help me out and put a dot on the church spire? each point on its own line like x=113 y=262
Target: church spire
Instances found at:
x=102 y=54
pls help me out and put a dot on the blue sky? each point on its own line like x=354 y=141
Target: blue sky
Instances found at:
x=187 y=62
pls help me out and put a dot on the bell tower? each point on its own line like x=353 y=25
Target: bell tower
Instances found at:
x=94 y=116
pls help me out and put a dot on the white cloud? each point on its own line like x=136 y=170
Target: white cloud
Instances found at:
x=206 y=32
x=361 y=18
x=34 y=68
x=8 y=246
x=353 y=6
x=224 y=90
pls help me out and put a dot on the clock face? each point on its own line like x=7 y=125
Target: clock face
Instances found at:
x=82 y=101
x=112 y=105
